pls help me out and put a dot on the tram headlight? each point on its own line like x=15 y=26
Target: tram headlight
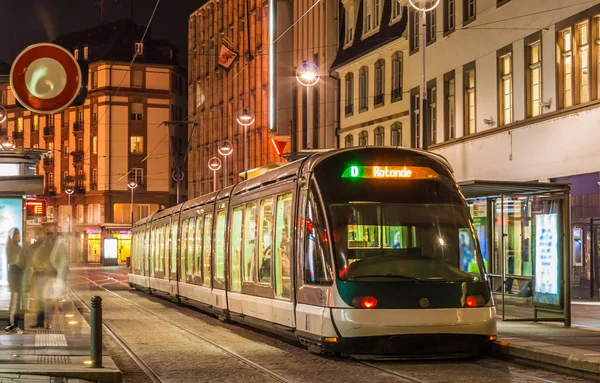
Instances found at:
x=364 y=302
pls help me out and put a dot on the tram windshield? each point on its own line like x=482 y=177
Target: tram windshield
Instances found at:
x=404 y=242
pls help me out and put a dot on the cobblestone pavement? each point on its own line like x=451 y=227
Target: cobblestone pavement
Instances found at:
x=177 y=356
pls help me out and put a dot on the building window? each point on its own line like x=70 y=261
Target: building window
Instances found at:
x=431 y=26
x=137 y=78
x=139 y=49
x=66 y=178
x=36 y=123
x=584 y=62
x=349 y=83
x=449 y=13
x=506 y=89
x=368 y=20
x=432 y=117
x=85 y=53
x=469 y=101
x=94 y=213
x=396 y=134
x=363 y=88
x=65 y=149
x=50 y=179
x=51 y=149
x=396 y=10
x=76 y=54
x=80 y=145
x=379 y=81
x=349 y=14
x=138 y=175
x=567 y=68
x=379 y=136
x=94 y=177
x=534 y=79
x=137 y=145
x=94 y=75
x=80 y=214
x=20 y=124
x=414 y=29
x=469 y=10
x=363 y=138
x=349 y=141
x=450 y=106
x=376 y=13
x=397 y=64
x=137 y=112
x=415 y=107
x=94 y=112
x=94 y=144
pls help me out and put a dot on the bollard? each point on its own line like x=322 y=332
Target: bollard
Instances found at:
x=96 y=332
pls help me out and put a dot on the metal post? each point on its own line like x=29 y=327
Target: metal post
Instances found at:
x=501 y=245
x=307 y=118
x=69 y=226
x=246 y=152
x=96 y=332
x=214 y=180
x=423 y=113
x=592 y=263
x=225 y=174
x=131 y=207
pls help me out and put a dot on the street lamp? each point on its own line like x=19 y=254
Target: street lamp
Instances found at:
x=132 y=184
x=307 y=75
x=214 y=164
x=2 y=114
x=245 y=116
x=225 y=150
x=69 y=190
x=424 y=6
x=7 y=143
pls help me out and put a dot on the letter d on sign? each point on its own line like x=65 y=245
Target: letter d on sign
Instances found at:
x=354 y=171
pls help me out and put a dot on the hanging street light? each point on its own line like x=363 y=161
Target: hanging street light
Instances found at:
x=225 y=149
x=307 y=75
x=245 y=116
x=214 y=164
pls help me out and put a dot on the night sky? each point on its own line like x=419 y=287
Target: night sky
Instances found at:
x=26 y=22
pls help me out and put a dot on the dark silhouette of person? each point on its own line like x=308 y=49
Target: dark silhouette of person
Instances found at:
x=15 y=280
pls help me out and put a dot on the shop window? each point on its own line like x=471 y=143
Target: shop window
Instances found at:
x=283 y=246
x=265 y=237
x=207 y=248
x=20 y=124
x=219 y=263
x=174 y=233
x=236 y=248
x=534 y=79
x=249 y=254
x=317 y=263
x=198 y=249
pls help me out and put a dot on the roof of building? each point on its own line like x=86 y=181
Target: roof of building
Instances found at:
x=116 y=42
x=386 y=34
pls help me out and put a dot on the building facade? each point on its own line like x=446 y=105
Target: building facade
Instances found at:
x=115 y=136
x=513 y=94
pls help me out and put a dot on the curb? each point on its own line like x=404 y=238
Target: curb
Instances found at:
x=546 y=359
x=104 y=375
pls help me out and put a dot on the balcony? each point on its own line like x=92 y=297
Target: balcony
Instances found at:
x=79 y=190
x=378 y=99
x=18 y=135
x=349 y=109
x=77 y=156
x=49 y=131
x=48 y=161
x=50 y=191
x=396 y=93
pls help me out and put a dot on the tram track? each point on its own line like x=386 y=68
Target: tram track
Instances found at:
x=136 y=358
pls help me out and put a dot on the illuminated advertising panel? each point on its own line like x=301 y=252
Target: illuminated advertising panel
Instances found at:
x=35 y=207
x=389 y=172
x=546 y=259
x=11 y=216
x=9 y=170
x=110 y=248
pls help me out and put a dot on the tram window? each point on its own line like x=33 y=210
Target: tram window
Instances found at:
x=198 y=249
x=249 y=255
x=220 y=245
x=155 y=253
x=151 y=237
x=207 y=247
x=317 y=262
x=236 y=247
x=190 y=247
x=162 y=248
x=174 y=226
x=265 y=238
x=182 y=245
x=283 y=246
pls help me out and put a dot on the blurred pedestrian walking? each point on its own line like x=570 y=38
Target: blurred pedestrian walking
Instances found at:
x=15 y=280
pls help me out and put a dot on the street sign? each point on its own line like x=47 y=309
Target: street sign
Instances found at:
x=45 y=78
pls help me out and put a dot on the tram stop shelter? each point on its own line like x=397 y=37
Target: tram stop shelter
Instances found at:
x=524 y=232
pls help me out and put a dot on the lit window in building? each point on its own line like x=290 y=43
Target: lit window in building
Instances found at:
x=137 y=111
x=469 y=100
x=379 y=136
x=396 y=134
x=139 y=49
x=584 y=58
x=137 y=145
x=20 y=124
x=80 y=145
x=94 y=144
x=51 y=149
x=534 y=79
x=85 y=53
x=450 y=110
x=506 y=101
x=36 y=123
x=432 y=128
x=349 y=141
x=65 y=150
x=567 y=69
x=94 y=112
x=363 y=88
x=76 y=54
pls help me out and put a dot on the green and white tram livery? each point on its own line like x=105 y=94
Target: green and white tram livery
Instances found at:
x=361 y=251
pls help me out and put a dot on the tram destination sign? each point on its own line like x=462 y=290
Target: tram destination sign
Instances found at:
x=389 y=172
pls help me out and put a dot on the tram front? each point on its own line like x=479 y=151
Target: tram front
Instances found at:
x=410 y=278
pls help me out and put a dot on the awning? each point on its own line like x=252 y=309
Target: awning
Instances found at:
x=483 y=188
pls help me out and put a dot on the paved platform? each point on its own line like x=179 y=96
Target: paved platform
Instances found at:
x=574 y=350
x=56 y=354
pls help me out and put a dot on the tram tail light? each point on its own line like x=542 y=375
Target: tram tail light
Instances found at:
x=364 y=302
x=475 y=301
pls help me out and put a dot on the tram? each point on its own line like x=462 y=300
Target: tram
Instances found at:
x=360 y=251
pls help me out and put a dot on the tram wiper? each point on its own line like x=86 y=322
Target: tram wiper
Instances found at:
x=396 y=276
